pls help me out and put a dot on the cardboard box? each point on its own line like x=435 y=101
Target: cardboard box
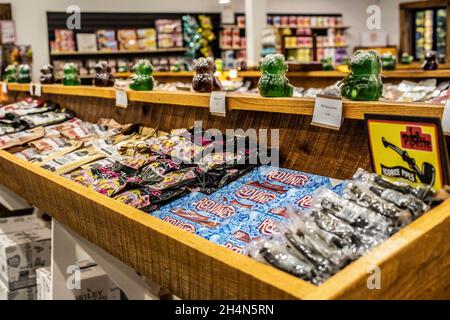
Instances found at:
x=94 y=284
x=18 y=224
x=20 y=294
x=21 y=253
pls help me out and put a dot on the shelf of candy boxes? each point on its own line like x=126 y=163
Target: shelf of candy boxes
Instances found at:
x=307 y=225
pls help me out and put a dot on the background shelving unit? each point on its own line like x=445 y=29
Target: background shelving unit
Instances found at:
x=308 y=38
x=93 y=21
x=233 y=42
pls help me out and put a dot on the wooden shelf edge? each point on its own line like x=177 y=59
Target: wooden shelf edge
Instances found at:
x=249 y=102
x=173 y=257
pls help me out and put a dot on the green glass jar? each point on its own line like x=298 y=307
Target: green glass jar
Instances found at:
x=142 y=80
x=10 y=74
x=24 y=74
x=364 y=80
x=273 y=81
x=70 y=76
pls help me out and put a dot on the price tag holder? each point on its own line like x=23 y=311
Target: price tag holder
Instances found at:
x=121 y=98
x=446 y=118
x=37 y=89
x=4 y=87
x=327 y=112
x=217 y=103
x=31 y=89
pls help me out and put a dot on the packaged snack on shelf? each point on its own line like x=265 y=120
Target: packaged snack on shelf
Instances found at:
x=64 y=41
x=22 y=105
x=106 y=40
x=20 y=138
x=127 y=39
x=48 y=118
x=45 y=107
x=71 y=161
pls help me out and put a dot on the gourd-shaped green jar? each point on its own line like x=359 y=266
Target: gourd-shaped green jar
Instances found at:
x=273 y=81
x=364 y=80
x=70 y=77
x=10 y=74
x=142 y=80
x=24 y=74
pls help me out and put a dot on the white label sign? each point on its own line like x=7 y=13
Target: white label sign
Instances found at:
x=327 y=112
x=446 y=118
x=37 y=89
x=31 y=89
x=217 y=103
x=4 y=87
x=121 y=98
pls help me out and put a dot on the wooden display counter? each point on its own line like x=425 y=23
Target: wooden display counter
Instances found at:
x=414 y=263
x=310 y=79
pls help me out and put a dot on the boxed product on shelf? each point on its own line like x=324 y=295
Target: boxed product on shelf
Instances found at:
x=106 y=40
x=168 y=25
x=127 y=39
x=64 y=40
x=28 y=293
x=86 y=42
x=240 y=21
x=22 y=251
x=146 y=38
x=7 y=32
x=94 y=283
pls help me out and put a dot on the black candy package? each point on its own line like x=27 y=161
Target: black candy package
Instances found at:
x=46 y=119
x=149 y=200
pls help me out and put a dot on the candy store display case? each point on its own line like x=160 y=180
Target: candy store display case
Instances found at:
x=191 y=267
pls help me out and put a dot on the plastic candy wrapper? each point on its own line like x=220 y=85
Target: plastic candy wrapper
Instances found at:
x=54 y=131
x=22 y=111
x=362 y=196
x=359 y=217
x=155 y=171
x=277 y=255
x=22 y=105
x=402 y=195
x=150 y=200
x=87 y=131
x=8 y=127
x=71 y=161
x=180 y=178
x=20 y=138
x=45 y=119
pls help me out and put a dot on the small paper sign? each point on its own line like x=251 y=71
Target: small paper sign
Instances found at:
x=446 y=118
x=4 y=87
x=217 y=103
x=31 y=89
x=37 y=89
x=327 y=112
x=121 y=98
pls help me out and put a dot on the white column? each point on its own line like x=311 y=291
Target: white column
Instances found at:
x=255 y=21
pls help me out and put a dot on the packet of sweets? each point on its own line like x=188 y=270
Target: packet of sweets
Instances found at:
x=20 y=138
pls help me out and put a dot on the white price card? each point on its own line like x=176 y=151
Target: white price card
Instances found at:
x=31 y=89
x=217 y=103
x=121 y=98
x=4 y=87
x=327 y=112
x=37 y=89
